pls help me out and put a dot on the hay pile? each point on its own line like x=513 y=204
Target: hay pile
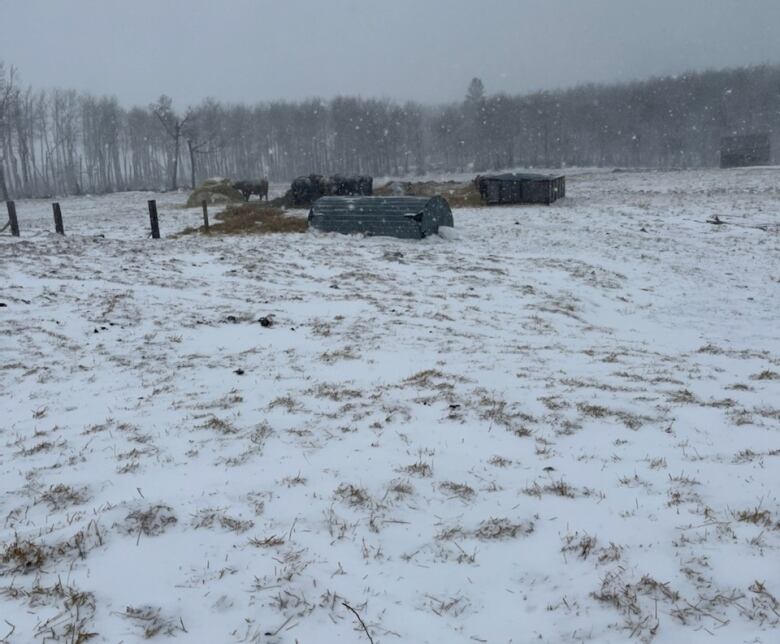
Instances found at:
x=458 y=194
x=253 y=218
x=215 y=191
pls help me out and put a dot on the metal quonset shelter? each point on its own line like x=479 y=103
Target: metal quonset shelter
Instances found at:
x=404 y=217
x=745 y=150
x=520 y=188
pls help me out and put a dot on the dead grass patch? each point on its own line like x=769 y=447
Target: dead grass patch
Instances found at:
x=61 y=496
x=427 y=379
x=22 y=556
x=152 y=521
x=43 y=446
x=657 y=463
x=683 y=397
x=294 y=481
x=151 y=622
x=400 y=489
x=766 y=375
x=420 y=468
x=271 y=541
x=595 y=411
x=460 y=490
x=74 y=612
x=756 y=516
x=453 y=606
x=220 y=426
x=581 y=545
x=352 y=495
x=334 y=392
x=558 y=488
x=554 y=403
x=285 y=402
x=208 y=518
x=495 y=529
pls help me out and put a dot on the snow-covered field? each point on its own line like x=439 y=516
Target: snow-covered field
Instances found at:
x=563 y=425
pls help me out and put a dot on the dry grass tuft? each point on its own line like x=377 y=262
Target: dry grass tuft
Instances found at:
x=61 y=496
x=561 y=488
x=594 y=411
x=581 y=545
x=683 y=396
x=453 y=606
x=756 y=516
x=286 y=402
x=420 y=468
x=766 y=375
x=400 y=489
x=269 y=542
x=558 y=488
x=152 y=623
x=150 y=522
x=497 y=529
x=43 y=446
x=460 y=490
x=220 y=426
x=352 y=495
x=74 y=612
x=23 y=556
x=208 y=518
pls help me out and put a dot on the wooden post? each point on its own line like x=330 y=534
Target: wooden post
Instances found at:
x=58 y=227
x=153 y=219
x=12 y=218
x=204 y=204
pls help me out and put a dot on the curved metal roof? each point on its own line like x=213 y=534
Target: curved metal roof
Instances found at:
x=371 y=206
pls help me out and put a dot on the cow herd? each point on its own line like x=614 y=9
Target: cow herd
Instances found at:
x=306 y=190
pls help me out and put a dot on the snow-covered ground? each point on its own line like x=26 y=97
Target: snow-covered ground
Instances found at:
x=562 y=425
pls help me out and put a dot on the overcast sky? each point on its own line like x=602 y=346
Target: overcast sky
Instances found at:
x=426 y=50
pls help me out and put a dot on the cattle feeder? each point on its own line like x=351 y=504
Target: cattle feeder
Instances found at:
x=403 y=217
x=520 y=188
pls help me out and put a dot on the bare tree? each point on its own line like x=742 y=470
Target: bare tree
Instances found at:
x=8 y=96
x=174 y=126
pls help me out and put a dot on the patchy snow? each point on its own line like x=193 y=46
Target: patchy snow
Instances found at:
x=560 y=425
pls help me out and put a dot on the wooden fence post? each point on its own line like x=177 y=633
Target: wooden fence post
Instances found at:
x=205 y=207
x=58 y=227
x=153 y=219
x=12 y=218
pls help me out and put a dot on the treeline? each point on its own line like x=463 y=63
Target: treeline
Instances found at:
x=63 y=142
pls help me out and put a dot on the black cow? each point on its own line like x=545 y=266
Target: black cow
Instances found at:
x=365 y=185
x=481 y=184
x=249 y=188
x=351 y=185
x=307 y=189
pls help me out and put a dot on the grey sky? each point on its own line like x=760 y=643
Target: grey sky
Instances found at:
x=426 y=50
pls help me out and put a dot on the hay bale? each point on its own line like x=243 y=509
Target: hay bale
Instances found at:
x=394 y=189
x=215 y=191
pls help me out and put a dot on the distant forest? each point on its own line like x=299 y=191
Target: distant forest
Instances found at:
x=64 y=142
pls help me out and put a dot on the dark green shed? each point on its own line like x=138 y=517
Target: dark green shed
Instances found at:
x=404 y=217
